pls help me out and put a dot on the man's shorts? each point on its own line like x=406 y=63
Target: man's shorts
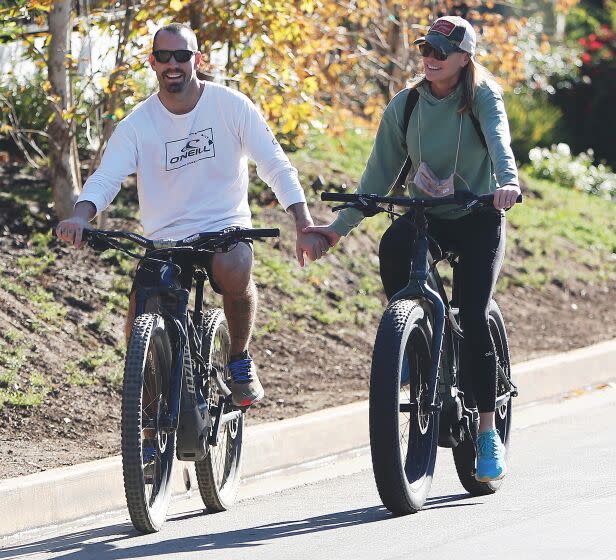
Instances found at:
x=149 y=272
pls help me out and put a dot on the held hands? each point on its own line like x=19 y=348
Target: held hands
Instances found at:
x=505 y=196
x=325 y=232
x=312 y=244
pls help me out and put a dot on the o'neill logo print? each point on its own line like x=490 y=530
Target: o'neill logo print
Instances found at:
x=198 y=146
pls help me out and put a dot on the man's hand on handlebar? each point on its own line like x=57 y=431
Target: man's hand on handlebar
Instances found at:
x=71 y=230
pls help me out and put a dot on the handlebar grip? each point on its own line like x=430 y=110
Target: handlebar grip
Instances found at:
x=338 y=197
x=256 y=233
x=489 y=198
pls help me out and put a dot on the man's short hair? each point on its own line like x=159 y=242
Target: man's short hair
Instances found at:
x=178 y=29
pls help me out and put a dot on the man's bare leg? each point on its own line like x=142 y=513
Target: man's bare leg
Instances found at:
x=233 y=274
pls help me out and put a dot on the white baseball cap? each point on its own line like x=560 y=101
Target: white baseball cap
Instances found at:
x=450 y=34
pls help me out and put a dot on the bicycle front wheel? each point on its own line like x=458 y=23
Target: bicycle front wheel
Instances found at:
x=464 y=453
x=218 y=474
x=403 y=432
x=148 y=452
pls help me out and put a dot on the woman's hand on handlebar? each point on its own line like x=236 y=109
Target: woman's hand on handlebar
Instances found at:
x=505 y=197
x=326 y=231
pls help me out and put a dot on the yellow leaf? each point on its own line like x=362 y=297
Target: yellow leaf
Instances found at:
x=118 y=113
x=290 y=125
x=103 y=83
x=175 y=5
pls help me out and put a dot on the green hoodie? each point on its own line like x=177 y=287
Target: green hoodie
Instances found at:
x=483 y=170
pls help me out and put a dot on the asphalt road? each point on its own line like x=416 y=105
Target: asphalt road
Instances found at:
x=558 y=502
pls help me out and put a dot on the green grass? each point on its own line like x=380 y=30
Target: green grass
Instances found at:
x=558 y=226
x=85 y=371
x=28 y=398
x=12 y=358
x=343 y=156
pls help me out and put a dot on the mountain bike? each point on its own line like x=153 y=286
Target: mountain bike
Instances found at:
x=176 y=402
x=416 y=398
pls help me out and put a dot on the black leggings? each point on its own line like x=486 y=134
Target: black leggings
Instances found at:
x=479 y=240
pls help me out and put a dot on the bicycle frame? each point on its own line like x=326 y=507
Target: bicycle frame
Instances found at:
x=418 y=287
x=187 y=415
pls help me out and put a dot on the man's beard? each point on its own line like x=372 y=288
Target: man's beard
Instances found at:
x=174 y=87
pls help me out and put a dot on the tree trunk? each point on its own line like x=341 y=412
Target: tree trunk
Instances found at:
x=63 y=157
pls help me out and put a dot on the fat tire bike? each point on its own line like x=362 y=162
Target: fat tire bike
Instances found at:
x=416 y=401
x=176 y=402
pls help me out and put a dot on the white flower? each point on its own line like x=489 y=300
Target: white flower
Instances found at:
x=535 y=154
x=563 y=149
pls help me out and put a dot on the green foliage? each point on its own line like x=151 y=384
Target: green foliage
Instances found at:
x=587 y=100
x=532 y=119
x=557 y=164
x=25 y=112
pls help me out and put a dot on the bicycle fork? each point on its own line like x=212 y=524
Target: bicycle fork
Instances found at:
x=418 y=287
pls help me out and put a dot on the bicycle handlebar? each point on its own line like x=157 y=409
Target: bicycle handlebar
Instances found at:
x=102 y=239
x=460 y=197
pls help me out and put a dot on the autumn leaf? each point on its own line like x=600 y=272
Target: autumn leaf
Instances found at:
x=175 y=5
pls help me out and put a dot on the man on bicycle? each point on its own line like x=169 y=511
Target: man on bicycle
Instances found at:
x=189 y=144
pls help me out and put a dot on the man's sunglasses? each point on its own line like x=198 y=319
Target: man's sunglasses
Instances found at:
x=181 y=55
x=427 y=50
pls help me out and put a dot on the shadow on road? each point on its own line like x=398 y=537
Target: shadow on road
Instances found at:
x=439 y=502
x=100 y=543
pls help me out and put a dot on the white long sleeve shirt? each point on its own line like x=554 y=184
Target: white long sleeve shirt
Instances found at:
x=192 y=169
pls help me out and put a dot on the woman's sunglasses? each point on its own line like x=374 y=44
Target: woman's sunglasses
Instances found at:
x=427 y=50
x=181 y=55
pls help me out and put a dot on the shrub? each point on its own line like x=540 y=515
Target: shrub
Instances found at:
x=577 y=172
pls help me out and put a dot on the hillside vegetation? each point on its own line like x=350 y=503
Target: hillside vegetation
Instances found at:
x=61 y=310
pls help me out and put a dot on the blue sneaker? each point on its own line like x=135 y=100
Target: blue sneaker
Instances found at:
x=490 y=457
x=246 y=389
x=405 y=374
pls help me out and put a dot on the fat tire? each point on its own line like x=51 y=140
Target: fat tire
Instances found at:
x=464 y=453
x=218 y=495
x=404 y=325
x=149 y=334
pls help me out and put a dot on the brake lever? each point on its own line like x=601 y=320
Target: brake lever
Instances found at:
x=367 y=209
x=98 y=243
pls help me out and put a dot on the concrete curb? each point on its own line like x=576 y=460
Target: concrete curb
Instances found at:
x=70 y=493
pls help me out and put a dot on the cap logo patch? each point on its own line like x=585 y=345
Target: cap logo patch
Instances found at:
x=444 y=27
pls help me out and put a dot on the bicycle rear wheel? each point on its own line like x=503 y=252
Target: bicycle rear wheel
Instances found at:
x=403 y=433
x=148 y=453
x=464 y=453
x=218 y=474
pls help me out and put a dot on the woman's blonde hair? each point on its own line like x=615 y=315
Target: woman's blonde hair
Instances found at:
x=473 y=75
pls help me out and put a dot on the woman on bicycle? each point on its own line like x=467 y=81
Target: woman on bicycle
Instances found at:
x=458 y=104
